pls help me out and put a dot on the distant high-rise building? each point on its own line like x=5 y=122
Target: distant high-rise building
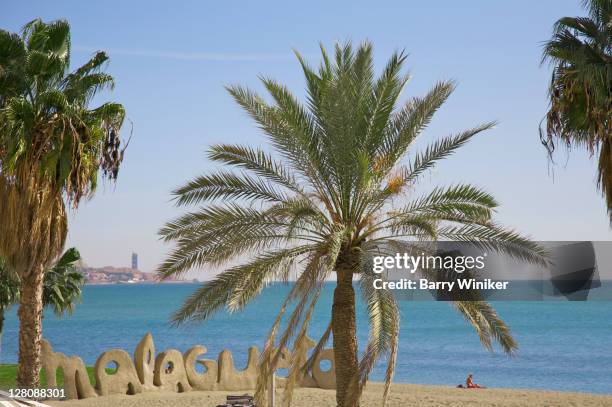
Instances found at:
x=134 y=261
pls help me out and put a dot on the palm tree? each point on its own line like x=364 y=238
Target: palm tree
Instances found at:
x=62 y=286
x=9 y=293
x=63 y=283
x=52 y=146
x=580 y=92
x=322 y=205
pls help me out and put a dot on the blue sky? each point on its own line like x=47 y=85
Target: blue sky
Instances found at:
x=171 y=63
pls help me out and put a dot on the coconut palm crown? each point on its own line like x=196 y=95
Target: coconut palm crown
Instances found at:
x=335 y=191
x=580 y=91
x=52 y=146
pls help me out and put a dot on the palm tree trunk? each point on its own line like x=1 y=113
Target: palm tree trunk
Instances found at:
x=30 y=329
x=344 y=328
x=1 y=326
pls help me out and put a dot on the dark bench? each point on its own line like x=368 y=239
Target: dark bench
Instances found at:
x=239 y=401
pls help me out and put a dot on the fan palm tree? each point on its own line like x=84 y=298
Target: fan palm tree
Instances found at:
x=580 y=92
x=52 y=146
x=63 y=283
x=62 y=286
x=325 y=202
x=9 y=293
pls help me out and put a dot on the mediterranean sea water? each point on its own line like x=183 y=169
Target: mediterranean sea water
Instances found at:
x=563 y=345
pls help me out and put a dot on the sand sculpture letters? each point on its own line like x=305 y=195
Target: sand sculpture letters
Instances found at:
x=171 y=371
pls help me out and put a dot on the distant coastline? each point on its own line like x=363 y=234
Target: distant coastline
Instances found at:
x=108 y=275
x=142 y=282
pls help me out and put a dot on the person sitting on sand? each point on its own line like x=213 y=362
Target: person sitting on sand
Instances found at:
x=469 y=383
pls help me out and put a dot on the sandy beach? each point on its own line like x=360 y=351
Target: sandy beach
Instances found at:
x=402 y=395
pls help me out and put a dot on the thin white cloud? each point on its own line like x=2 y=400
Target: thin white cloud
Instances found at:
x=190 y=56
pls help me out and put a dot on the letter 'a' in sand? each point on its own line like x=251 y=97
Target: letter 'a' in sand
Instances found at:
x=170 y=372
x=124 y=380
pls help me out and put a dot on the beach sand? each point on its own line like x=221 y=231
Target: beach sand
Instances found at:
x=401 y=395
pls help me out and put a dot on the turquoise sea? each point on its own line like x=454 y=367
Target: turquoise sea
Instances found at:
x=563 y=345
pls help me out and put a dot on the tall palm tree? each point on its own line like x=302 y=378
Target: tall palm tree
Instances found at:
x=325 y=202
x=52 y=146
x=580 y=92
x=61 y=291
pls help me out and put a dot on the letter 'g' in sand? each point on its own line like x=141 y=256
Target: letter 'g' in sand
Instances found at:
x=200 y=381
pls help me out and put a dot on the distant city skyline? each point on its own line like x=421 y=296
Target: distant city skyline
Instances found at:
x=171 y=65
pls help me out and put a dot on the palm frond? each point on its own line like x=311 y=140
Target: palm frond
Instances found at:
x=281 y=135
x=408 y=123
x=488 y=325
x=497 y=239
x=385 y=94
x=458 y=203
x=236 y=287
x=440 y=150
x=307 y=286
x=222 y=237
x=226 y=185
x=255 y=160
